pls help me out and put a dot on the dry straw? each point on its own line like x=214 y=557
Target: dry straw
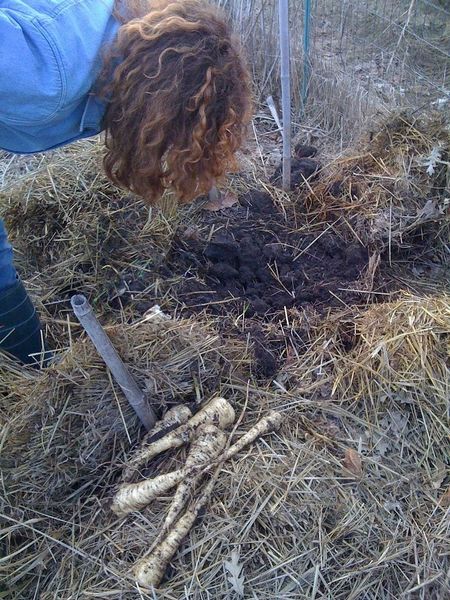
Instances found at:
x=299 y=519
x=299 y=523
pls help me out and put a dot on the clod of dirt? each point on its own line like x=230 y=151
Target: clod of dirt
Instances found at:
x=301 y=169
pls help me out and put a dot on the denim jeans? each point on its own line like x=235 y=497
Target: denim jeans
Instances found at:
x=7 y=270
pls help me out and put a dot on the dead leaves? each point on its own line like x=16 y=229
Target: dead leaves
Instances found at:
x=352 y=463
x=234 y=568
x=220 y=200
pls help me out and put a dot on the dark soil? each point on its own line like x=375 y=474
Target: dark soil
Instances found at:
x=252 y=259
x=255 y=262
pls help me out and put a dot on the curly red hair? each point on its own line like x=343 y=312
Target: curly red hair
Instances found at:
x=179 y=98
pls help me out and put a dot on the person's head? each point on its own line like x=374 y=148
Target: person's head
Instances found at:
x=179 y=98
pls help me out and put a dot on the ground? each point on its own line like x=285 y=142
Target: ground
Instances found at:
x=329 y=305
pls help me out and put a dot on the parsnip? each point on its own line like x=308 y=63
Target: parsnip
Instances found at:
x=267 y=424
x=150 y=570
x=218 y=411
x=209 y=441
x=206 y=446
x=175 y=416
x=135 y=496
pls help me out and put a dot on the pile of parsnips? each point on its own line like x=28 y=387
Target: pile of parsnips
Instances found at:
x=205 y=432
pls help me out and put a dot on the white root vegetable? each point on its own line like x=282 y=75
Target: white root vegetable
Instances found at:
x=150 y=570
x=206 y=446
x=175 y=416
x=135 y=496
x=217 y=411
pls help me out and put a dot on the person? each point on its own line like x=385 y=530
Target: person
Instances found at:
x=164 y=79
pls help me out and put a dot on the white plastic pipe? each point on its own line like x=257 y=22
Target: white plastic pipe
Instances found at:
x=283 y=6
x=135 y=396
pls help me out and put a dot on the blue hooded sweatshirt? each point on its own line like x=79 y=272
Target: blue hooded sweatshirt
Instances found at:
x=50 y=58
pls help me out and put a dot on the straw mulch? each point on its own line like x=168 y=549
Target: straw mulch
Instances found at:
x=350 y=499
x=394 y=185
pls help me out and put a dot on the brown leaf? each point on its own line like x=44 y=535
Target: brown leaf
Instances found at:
x=445 y=499
x=223 y=200
x=191 y=233
x=439 y=475
x=352 y=462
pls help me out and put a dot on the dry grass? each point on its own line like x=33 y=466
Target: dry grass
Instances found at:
x=369 y=383
x=73 y=230
x=303 y=525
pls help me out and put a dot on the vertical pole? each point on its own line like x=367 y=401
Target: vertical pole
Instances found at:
x=306 y=47
x=285 y=91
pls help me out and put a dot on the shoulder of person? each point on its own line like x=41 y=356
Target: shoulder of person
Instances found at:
x=50 y=55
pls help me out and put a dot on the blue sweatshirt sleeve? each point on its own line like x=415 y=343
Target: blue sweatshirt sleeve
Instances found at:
x=31 y=82
x=51 y=53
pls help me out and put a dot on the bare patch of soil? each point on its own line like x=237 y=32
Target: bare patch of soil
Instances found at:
x=256 y=261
